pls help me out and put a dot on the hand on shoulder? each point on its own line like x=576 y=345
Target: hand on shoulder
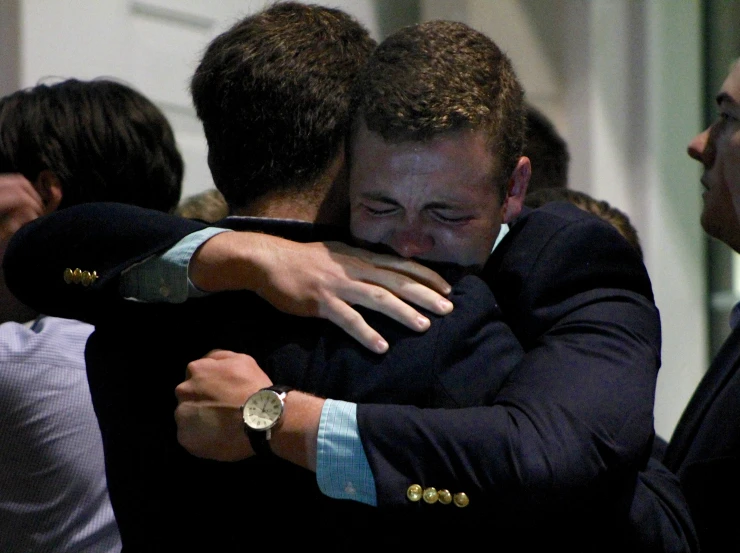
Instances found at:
x=322 y=279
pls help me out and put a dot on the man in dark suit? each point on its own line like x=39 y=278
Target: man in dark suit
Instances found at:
x=558 y=447
x=704 y=450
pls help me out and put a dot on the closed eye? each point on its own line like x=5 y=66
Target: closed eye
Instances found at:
x=377 y=211
x=451 y=218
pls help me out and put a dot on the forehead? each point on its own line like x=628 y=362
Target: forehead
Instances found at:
x=447 y=162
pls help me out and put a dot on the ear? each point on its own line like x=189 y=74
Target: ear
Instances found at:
x=50 y=189
x=516 y=190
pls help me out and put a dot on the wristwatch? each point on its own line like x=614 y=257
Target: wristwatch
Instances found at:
x=262 y=412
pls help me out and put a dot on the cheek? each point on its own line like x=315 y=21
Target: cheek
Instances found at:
x=364 y=227
x=727 y=165
x=470 y=246
x=731 y=154
x=718 y=206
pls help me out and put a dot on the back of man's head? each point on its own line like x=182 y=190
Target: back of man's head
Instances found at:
x=547 y=151
x=273 y=93
x=443 y=76
x=618 y=219
x=101 y=140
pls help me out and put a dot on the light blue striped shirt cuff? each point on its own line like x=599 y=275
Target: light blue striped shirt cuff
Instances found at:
x=164 y=278
x=342 y=470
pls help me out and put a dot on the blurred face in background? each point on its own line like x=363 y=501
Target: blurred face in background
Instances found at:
x=718 y=150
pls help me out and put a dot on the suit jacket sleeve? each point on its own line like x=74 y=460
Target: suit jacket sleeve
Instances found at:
x=573 y=422
x=103 y=237
x=659 y=518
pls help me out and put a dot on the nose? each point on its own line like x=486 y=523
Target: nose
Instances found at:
x=700 y=148
x=411 y=241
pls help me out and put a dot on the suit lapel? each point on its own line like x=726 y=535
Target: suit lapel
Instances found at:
x=722 y=368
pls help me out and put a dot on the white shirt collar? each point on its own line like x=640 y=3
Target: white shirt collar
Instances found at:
x=503 y=232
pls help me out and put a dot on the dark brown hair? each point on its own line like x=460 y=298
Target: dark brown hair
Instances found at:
x=103 y=141
x=273 y=93
x=547 y=151
x=600 y=208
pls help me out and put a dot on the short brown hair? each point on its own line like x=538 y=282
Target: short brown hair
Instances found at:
x=600 y=208
x=103 y=140
x=443 y=76
x=547 y=151
x=273 y=93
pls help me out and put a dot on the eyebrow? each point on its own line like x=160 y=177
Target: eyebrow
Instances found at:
x=380 y=197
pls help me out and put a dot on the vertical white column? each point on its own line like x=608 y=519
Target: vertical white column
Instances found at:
x=633 y=103
x=10 y=36
x=674 y=240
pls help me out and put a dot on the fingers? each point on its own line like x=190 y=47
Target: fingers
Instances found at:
x=405 y=279
x=416 y=273
x=20 y=203
x=349 y=320
x=198 y=364
x=223 y=376
x=212 y=431
x=385 y=284
x=341 y=313
x=209 y=421
x=407 y=289
x=219 y=354
x=411 y=269
x=385 y=302
x=16 y=190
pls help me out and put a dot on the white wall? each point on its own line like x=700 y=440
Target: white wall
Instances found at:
x=153 y=45
x=636 y=98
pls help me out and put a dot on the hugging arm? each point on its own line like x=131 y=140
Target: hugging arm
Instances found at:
x=106 y=238
x=318 y=279
x=574 y=414
x=577 y=411
x=570 y=428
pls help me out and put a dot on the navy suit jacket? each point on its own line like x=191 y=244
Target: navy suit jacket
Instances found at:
x=138 y=353
x=553 y=454
x=704 y=451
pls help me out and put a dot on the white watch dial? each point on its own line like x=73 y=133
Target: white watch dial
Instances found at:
x=262 y=410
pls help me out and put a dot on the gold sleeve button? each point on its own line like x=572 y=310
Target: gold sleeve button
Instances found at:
x=431 y=495
x=78 y=276
x=445 y=497
x=414 y=492
x=461 y=499
x=88 y=278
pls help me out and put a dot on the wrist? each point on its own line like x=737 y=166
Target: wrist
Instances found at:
x=229 y=261
x=295 y=438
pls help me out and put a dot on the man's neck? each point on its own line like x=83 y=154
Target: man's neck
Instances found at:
x=323 y=201
x=280 y=208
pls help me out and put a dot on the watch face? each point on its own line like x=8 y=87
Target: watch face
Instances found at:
x=262 y=410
